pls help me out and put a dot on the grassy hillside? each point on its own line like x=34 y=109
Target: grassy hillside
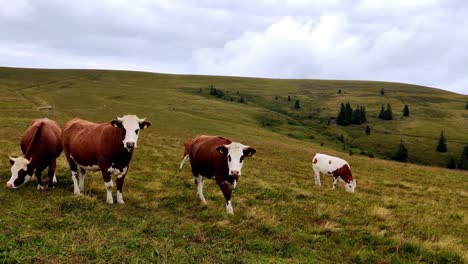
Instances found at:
x=399 y=213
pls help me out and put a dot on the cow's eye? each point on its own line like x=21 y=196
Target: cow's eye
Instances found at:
x=136 y=131
x=229 y=157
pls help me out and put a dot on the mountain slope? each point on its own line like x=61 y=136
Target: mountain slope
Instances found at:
x=399 y=213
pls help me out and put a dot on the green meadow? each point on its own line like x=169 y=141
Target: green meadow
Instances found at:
x=400 y=212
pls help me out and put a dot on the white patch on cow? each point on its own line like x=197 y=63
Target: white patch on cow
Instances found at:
x=200 y=188
x=120 y=198
x=229 y=209
x=183 y=161
x=54 y=179
x=109 y=186
x=117 y=172
x=131 y=124
x=235 y=152
x=40 y=187
x=76 y=189
x=82 y=176
x=20 y=163
x=234 y=185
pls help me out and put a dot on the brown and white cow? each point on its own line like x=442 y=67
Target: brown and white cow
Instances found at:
x=337 y=168
x=216 y=158
x=41 y=144
x=107 y=147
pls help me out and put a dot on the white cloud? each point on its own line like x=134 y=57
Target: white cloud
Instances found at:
x=420 y=41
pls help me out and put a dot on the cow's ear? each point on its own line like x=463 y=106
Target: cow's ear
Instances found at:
x=248 y=152
x=145 y=124
x=116 y=123
x=222 y=150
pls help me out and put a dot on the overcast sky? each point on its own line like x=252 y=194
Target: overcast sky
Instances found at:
x=414 y=41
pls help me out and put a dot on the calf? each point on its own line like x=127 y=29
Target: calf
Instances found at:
x=41 y=144
x=106 y=147
x=216 y=158
x=333 y=166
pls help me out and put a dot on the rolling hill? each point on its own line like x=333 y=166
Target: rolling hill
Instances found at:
x=399 y=213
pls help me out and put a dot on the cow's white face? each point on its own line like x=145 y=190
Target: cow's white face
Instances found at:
x=19 y=172
x=349 y=187
x=235 y=154
x=132 y=125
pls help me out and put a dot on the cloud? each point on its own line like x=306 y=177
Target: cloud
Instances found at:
x=334 y=48
x=421 y=41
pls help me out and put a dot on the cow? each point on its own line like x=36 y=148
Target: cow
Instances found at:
x=217 y=158
x=41 y=145
x=105 y=147
x=338 y=168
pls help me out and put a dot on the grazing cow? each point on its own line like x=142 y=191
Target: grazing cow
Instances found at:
x=218 y=158
x=333 y=166
x=41 y=144
x=107 y=147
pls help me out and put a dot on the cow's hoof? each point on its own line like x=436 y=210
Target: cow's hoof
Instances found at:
x=77 y=192
x=54 y=179
x=40 y=187
x=120 y=201
x=109 y=201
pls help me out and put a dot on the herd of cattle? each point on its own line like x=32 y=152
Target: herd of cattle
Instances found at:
x=108 y=147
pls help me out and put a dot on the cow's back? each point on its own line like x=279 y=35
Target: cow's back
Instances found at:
x=326 y=163
x=85 y=141
x=42 y=140
x=203 y=155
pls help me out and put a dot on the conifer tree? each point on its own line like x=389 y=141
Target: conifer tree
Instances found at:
x=402 y=153
x=442 y=145
x=339 y=91
x=382 y=92
x=289 y=98
x=463 y=163
x=466 y=105
x=348 y=114
x=341 y=115
x=451 y=164
x=406 y=110
x=356 y=117
x=382 y=111
x=367 y=130
x=297 y=104
x=388 y=113
x=363 y=115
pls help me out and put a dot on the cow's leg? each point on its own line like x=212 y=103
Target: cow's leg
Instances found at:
x=38 y=174
x=106 y=175
x=335 y=180
x=199 y=181
x=74 y=173
x=82 y=175
x=51 y=173
x=227 y=191
x=120 y=182
x=317 y=177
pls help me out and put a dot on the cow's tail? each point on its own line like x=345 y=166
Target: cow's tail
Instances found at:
x=182 y=163
x=33 y=143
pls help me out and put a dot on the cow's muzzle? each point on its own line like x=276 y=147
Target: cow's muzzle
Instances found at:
x=10 y=185
x=234 y=173
x=130 y=145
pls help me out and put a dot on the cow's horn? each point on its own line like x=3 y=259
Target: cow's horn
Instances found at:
x=140 y=120
x=118 y=118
